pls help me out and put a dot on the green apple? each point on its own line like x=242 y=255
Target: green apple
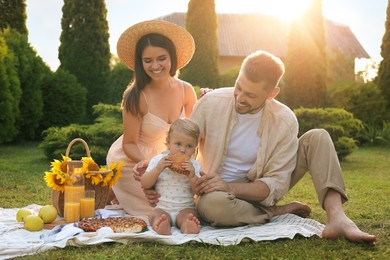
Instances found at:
x=21 y=214
x=48 y=213
x=33 y=223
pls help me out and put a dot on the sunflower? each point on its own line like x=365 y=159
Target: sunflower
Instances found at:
x=90 y=164
x=56 y=180
x=60 y=166
x=117 y=170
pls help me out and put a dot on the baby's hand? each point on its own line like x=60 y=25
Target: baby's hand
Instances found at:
x=165 y=162
x=187 y=165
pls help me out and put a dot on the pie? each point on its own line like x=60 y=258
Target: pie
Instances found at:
x=117 y=224
x=177 y=160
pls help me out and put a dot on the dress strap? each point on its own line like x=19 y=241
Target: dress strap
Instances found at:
x=184 y=96
x=146 y=101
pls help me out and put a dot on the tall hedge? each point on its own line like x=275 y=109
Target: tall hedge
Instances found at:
x=13 y=15
x=30 y=70
x=305 y=76
x=201 y=22
x=84 y=50
x=10 y=94
x=383 y=78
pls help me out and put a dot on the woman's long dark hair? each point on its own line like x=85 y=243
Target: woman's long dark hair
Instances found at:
x=131 y=96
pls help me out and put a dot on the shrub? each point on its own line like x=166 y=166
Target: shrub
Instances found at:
x=376 y=134
x=64 y=100
x=99 y=136
x=341 y=125
x=228 y=78
x=364 y=100
x=118 y=79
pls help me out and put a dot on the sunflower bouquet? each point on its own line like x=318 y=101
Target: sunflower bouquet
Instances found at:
x=107 y=175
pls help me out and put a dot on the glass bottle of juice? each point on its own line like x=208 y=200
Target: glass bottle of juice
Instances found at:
x=74 y=191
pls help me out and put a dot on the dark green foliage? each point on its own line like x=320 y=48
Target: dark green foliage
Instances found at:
x=120 y=76
x=383 y=78
x=30 y=70
x=64 y=100
x=201 y=22
x=377 y=135
x=228 y=78
x=84 y=49
x=364 y=100
x=13 y=15
x=99 y=136
x=341 y=125
x=305 y=76
x=10 y=94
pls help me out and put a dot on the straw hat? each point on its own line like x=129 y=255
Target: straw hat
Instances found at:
x=182 y=39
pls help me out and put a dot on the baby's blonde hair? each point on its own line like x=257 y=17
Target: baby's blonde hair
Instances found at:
x=186 y=127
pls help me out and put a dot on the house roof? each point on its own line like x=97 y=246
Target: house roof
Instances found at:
x=238 y=38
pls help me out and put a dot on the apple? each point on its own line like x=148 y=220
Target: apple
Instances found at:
x=21 y=214
x=48 y=213
x=33 y=223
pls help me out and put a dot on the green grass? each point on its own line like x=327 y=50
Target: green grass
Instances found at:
x=366 y=172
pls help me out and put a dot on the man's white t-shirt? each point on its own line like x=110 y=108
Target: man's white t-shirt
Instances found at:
x=243 y=146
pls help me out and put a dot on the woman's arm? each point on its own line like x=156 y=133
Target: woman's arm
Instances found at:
x=190 y=99
x=131 y=128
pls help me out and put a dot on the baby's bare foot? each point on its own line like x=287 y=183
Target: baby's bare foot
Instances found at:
x=162 y=225
x=191 y=225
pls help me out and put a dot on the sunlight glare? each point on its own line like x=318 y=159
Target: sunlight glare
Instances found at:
x=286 y=9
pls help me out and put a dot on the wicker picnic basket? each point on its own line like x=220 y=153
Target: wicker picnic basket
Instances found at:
x=101 y=193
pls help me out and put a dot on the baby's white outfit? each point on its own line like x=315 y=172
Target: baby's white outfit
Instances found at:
x=174 y=188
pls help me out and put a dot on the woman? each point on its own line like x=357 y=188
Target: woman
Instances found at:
x=154 y=50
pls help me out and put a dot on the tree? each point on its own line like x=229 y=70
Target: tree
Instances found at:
x=9 y=94
x=201 y=22
x=306 y=60
x=84 y=49
x=30 y=70
x=13 y=15
x=383 y=78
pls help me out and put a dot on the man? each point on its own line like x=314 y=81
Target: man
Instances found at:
x=251 y=155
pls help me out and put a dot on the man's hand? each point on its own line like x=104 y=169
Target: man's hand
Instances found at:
x=139 y=169
x=207 y=183
x=151 y=196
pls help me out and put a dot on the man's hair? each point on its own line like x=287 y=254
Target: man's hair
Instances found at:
x=262 y=66
x=186 y=127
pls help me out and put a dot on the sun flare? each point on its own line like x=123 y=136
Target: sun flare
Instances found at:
x=286 y=9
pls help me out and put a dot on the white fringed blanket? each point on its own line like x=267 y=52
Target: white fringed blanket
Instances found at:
x=16 y=241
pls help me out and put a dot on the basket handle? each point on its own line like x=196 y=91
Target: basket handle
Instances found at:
x=78 y=140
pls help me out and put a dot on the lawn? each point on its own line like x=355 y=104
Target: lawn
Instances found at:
x=366 y=171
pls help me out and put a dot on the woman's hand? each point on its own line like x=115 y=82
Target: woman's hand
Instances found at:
x=139 y=169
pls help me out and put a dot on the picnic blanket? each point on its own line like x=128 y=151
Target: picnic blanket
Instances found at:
x=16 y=241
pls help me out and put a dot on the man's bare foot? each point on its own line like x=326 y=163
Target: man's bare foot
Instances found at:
x=295 y=207
x=191 y=225
x=162 y=225
x=345 y=227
